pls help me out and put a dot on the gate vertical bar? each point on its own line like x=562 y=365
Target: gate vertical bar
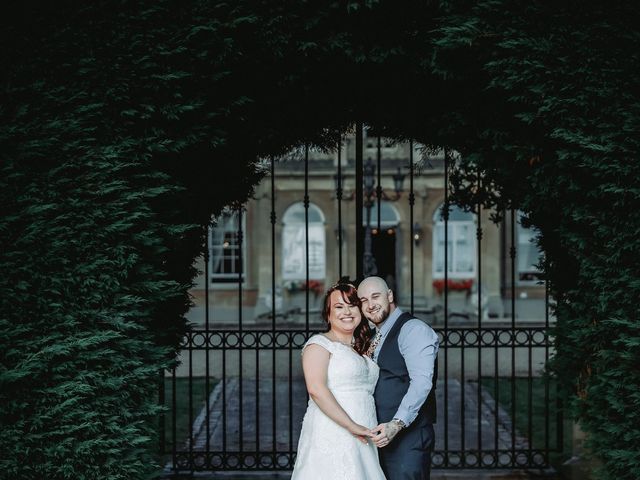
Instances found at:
x=290 y=348
x=339 y=198
x=559 y=418
x=412 y=200
x=496 y=376
x=162 y=425
x=224 y=395
x=240 y=333
x=496 y=395
x=462 y=386
x=480 y=313
x=190 y=419
x=512 y=254
x=546 y=359
x=174 y=433
x=306 y=232
x=359 y=203
x=503 y=296
x=445 y=212
x=379 y=187
x=257 y=394
x=273 y=308
x=530 y=394
x=207 y=339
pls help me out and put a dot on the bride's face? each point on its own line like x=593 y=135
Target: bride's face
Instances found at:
x=344 y=317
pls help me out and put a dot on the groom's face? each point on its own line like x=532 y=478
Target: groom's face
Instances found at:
x=376 y=302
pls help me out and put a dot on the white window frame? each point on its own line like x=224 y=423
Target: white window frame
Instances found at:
x=229 y=219
x=455 y=229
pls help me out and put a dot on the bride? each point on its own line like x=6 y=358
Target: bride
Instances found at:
x=340 y=378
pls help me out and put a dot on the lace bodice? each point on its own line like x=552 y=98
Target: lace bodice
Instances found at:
x=348 y=371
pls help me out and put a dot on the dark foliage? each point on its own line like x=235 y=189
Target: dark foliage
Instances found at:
x=126 y=126
x=109 y=173
x=562 y=146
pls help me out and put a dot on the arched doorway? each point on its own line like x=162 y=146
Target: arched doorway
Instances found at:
x=384 y=245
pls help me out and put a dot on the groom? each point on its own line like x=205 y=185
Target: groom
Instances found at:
x=405 y=349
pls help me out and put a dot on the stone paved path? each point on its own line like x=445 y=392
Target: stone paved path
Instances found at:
x=261 y=415
x=272 y=421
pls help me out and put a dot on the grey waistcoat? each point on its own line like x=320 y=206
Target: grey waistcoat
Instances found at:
x=393 y=381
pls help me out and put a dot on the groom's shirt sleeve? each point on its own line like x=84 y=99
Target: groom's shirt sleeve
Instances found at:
x=419 y=347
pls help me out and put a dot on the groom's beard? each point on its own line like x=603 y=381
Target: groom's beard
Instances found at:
x=380 y=316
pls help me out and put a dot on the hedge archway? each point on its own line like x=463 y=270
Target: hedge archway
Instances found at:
x=124 y=129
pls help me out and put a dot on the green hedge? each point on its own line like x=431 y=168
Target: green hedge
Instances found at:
x=81 y=287
x=566 y=153
x=99 y=233
x=125 y=127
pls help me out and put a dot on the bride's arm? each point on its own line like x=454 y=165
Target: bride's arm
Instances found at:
x=315 y=363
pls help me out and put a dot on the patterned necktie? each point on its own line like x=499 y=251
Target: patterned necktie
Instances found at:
x=374 y=344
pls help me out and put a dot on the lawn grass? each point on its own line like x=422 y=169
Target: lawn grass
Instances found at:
x=537 y=413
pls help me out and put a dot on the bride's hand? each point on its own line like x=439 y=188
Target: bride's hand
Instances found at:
x=361 y=433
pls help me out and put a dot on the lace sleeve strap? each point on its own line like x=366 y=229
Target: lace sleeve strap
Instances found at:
x=321 y=340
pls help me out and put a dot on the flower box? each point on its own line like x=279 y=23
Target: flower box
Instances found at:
x=453 y=285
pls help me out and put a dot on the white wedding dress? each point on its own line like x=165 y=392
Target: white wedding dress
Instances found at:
x=327 y=451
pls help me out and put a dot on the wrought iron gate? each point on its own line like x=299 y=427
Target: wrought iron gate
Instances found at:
x=237 y=400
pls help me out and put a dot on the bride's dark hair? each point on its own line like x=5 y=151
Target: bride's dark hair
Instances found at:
x=362 y=333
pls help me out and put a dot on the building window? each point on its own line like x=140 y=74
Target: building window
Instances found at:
x=527 y=253
x=226 y=259
x=294 y=254
x=387 y=145
x=461 y=244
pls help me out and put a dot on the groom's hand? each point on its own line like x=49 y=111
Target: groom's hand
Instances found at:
x=386 y=432
x=361 y=433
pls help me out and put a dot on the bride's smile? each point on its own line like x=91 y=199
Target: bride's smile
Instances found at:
x=343 y=316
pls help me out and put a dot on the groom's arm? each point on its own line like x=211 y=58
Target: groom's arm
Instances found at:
x=419 y=347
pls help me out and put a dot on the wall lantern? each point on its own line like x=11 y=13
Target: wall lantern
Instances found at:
x=417 y=234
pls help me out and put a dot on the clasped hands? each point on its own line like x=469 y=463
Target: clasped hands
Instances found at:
x=380 y=435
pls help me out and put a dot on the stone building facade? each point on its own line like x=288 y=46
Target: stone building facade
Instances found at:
x=244 y=276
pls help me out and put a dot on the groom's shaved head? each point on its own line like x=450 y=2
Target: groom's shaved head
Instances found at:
x=374 y=282
x=377 y=299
